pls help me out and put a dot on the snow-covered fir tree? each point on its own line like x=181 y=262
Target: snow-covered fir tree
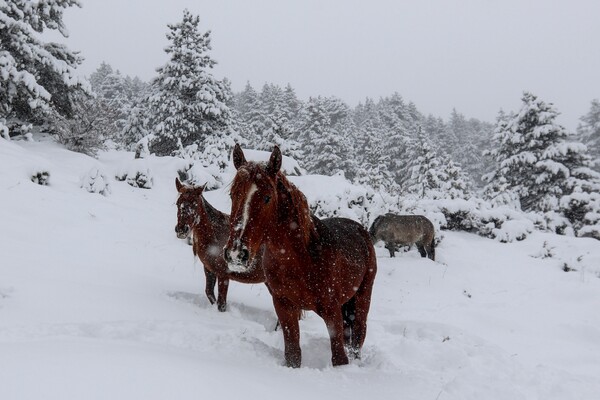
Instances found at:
x=325 y=150
x=533 y=157
x=37 y=78
x=398 y=123
x=434 y=176
x=100 y=74
x=427 y=176
x=250 y=116
x=186 y=104
x=588 y=132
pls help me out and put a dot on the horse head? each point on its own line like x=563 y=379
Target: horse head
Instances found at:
x=190 y=199
x=254 y=197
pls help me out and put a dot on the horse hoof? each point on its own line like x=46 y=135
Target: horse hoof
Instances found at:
x=222 y=307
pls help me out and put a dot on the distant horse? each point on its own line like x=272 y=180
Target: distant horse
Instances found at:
x=327 y=266
x=404 y=230
x=209 y=228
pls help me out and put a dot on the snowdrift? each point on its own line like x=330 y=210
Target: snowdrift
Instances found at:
x=100 y=300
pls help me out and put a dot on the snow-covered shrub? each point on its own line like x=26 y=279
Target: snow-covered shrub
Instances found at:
x=474 y=215
x=41 y=178
x=137 y=174
x=195 y=174
x=95 y=181
x=553 y=222
x=513 y=230
x=591 y=227
x=4 y=129
x=334 y=196
x=199 y=168
x=142 y=146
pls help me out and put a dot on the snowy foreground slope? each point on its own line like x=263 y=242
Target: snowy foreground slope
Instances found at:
x=99 y=300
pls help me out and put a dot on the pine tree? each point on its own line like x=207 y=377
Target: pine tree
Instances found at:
x=589 y=132
x=532 y=155
x=397 y=124
x=37 y=79
x=186 y=104
x=325 y=150
x=372 y=159
x=100 y=74
x=251 y=118
x=427 y=178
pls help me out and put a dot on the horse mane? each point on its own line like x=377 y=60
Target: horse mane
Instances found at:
x=297 y=206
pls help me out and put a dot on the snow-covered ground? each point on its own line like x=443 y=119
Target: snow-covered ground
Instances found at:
x=100 y=300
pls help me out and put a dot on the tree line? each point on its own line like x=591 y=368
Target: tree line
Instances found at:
x=526 y=159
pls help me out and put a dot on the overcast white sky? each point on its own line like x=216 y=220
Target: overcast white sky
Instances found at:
x=473 y=55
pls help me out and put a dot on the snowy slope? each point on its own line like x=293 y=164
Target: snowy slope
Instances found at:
x=100 y=300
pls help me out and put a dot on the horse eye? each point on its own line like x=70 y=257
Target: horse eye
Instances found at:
x=267 y=199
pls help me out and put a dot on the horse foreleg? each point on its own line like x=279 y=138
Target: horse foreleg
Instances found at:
x=222 y=299
x=391 y=248
x=288 y=315
x=209 y=289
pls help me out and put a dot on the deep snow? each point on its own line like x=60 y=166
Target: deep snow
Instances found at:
x=100 y=300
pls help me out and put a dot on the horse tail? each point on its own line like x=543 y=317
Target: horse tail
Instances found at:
x=349 y=315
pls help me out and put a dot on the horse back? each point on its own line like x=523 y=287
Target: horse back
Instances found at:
x=402 y=229
x=349 y=241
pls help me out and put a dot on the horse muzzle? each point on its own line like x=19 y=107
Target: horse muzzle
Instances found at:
x=237 y=258
x=182 y=232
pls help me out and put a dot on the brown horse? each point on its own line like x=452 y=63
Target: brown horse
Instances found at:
x=209 y=229
x=404 y=230
x=327 y=266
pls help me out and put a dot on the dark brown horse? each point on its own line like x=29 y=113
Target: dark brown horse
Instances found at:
x=327 y=266
x=404 y=230
x=209 y=229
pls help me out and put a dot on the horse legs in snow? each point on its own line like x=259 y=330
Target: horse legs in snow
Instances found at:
x=222 y=300
x=334 y=320
x=209 y=289
x=421 y=249
x=362 y=300
x=288 y=315
x=431 y=250
x=390 y=246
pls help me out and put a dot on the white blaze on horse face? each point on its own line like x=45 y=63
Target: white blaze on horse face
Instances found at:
x=246 y=213
x=236 y=266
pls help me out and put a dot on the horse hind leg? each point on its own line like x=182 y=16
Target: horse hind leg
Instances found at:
x=334 y=320
x=209 y=289
x=222 y=299
x=431 y=249
x=422 y=250
x=362 y=303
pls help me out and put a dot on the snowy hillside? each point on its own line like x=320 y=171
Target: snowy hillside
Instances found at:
x=100 y=300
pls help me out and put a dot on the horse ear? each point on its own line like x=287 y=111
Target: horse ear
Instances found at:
x=178 y=184
x=275 y=161
x=238 y=156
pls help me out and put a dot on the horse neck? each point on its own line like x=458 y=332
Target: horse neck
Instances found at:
x=293 y=212
x=211 y=219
